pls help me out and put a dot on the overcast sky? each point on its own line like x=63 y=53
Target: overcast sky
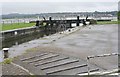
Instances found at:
x=52 y=7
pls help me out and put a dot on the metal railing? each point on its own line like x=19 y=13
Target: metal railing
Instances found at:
x=96 y=56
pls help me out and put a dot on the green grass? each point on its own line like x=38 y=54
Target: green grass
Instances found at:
x=16 y=26
x=107 y=22
x=7 y=61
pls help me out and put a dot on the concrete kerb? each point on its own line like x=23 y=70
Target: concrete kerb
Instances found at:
x=109 y=72
x=103 y=55
x=22 y=68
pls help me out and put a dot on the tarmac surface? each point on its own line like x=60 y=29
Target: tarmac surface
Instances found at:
x=93 y=40
x=87 y=41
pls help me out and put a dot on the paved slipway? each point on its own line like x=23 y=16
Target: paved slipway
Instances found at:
x=65 y=54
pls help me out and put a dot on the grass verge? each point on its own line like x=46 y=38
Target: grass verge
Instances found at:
x=7 y=61
x=16 y=26
x=108 y=22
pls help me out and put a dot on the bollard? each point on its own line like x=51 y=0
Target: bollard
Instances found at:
x=77 y=21
x=51 y=24
x=87 y=18
x=50 y=18
x=84 y=22
x=70 y=25
x=15 y=32
x=37 y=23
x=6 y=54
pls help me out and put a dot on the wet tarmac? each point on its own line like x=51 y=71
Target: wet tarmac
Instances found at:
x=90 y=40
x=93 y=40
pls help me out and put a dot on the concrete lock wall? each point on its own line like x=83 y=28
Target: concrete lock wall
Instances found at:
x=52 y=27
x=18 y=32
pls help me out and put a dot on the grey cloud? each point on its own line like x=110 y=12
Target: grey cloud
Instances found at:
x=41 y=7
